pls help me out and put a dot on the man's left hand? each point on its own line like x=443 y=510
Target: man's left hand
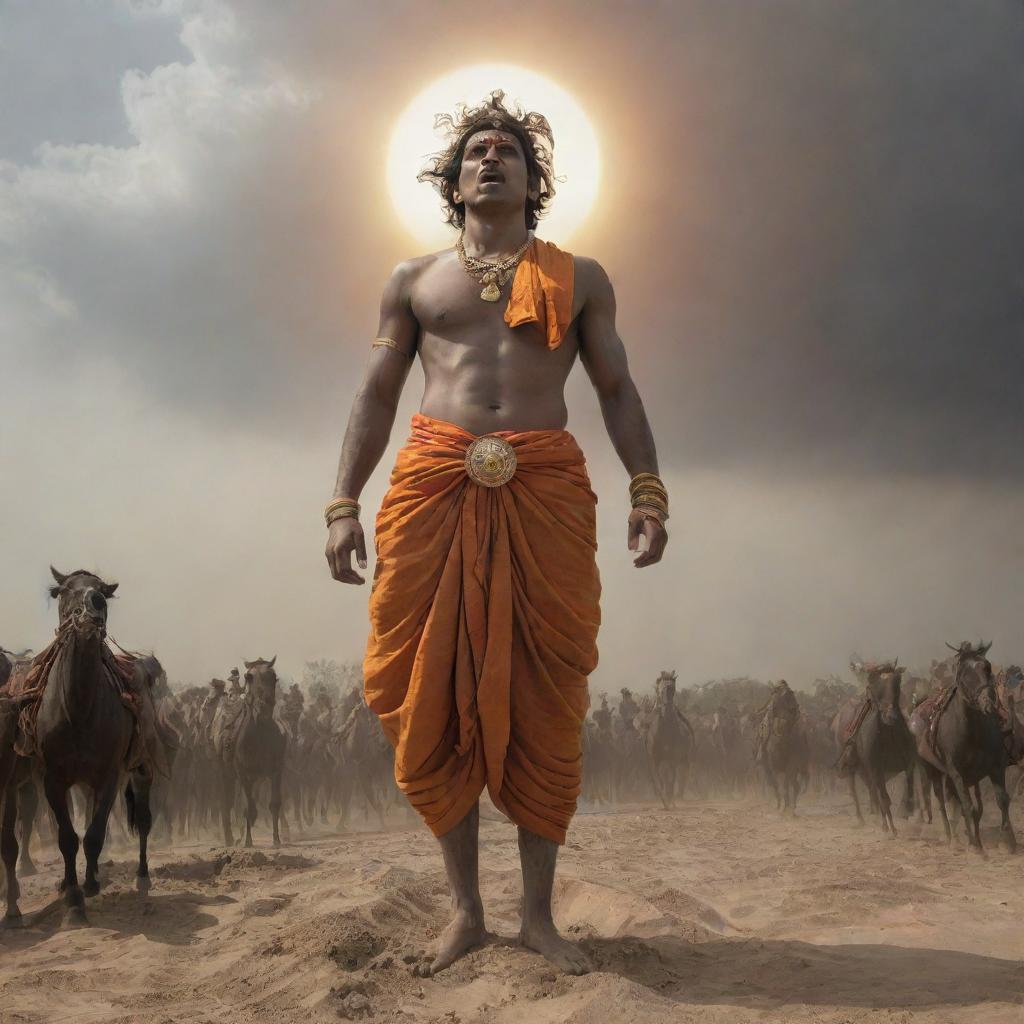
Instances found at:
x=653 y=531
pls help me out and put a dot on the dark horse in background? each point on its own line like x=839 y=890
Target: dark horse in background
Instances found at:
x=782 y=749
x=875 y=741
x=82 y=734
x=962 y=738
x=250 y=746
x=668 y=741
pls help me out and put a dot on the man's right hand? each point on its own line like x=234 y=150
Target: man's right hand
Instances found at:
x=344 y=537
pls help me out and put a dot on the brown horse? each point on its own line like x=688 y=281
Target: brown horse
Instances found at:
x=782 y=748
x=83 y=734
x=668 y=741
x=960 y=738
x=875 y=740
x=250 y=745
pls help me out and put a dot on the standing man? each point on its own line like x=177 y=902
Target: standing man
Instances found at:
x=484 y=607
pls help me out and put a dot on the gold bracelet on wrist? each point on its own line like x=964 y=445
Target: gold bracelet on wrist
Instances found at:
x=342 y=513
x=649 y=512
x=347 y=505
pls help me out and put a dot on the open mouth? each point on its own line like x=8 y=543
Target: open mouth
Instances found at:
x=487 y=179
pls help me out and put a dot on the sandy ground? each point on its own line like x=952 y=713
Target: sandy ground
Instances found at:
x=717 y=912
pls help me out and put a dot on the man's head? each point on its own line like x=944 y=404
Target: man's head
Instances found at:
x=496 y=159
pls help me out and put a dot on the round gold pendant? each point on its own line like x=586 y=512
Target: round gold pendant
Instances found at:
x=490 y=461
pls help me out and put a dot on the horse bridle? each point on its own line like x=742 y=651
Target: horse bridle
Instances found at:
x=969 y=699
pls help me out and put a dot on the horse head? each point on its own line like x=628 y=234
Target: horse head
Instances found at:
x=665 y=689
x=82 y=602
x=883 y=686
x=261 y=682
x=973 y=676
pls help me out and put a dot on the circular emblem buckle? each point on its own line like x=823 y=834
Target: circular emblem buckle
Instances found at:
x=490 y=461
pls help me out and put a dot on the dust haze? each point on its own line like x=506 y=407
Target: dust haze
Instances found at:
x=811 y=216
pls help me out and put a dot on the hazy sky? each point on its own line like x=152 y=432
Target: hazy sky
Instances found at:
x=812 y=216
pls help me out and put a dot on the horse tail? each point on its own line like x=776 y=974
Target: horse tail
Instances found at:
x=129 y=799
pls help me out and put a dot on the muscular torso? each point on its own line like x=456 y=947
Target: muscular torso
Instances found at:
x=480 y=373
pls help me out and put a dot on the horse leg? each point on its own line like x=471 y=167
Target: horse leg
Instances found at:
x=908 y=791
x=248 y=787
x=28 y=805
x=886 y=802
x=853 y=793
x=1003 y=801
x=770 y=779
x=966 y=808
x=976 y=811
x=95 y=834
x=140 y=819
x=670 y=783
x=67 y=841
x=924 y=807
x=9 y=841
x=939 y=789
x=227 y=799
x=275 y=804
x=346 y=800
x=366 y=783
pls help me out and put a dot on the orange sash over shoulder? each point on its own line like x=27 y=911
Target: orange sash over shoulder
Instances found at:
x=484 y=615
x=542 y=291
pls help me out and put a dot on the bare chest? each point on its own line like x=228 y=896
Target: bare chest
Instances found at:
x=447 y=303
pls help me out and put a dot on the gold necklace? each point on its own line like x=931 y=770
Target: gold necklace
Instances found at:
x=491 y=275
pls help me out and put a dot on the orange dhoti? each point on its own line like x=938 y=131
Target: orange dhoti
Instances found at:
x=484 y=615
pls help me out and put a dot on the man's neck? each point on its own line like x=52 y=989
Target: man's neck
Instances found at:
x=491 y=238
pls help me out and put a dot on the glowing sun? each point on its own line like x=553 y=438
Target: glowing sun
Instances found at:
x=413 y=141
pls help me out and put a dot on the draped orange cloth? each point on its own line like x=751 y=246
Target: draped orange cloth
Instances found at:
x=484 y=614
x=542 y=291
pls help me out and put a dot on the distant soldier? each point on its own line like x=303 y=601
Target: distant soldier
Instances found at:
x=210 y=704
x=603 y=715
x=237 y=689
x=781 y=703
x=628 y=708
x=294 y=701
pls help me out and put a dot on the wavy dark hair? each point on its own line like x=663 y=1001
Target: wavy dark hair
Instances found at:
x=530 y=128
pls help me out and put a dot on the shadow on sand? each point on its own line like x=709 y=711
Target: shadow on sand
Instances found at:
x=174 y=919
x=771 y=973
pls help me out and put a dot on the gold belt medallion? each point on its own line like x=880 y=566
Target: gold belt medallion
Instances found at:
x=490 y=461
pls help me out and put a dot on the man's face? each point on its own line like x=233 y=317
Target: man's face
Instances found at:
x=494 y=172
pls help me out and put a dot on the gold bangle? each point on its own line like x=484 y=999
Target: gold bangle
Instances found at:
x=650 y=500
x=645 y=476
x=650 y=513
x=391 y=343
x=342 y=513
x=340 y=503
x=649 y=491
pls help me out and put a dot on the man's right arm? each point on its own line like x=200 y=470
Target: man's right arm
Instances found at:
x=372 y=417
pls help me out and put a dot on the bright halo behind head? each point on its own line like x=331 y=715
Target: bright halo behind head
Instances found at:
x=414 y=141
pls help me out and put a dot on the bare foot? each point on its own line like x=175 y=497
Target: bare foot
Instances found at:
x=565 y=955
x=465 y=931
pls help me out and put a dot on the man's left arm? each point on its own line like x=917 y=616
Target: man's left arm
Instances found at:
x=604 y=358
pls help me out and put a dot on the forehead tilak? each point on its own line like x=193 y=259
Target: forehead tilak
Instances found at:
x=490 y=139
